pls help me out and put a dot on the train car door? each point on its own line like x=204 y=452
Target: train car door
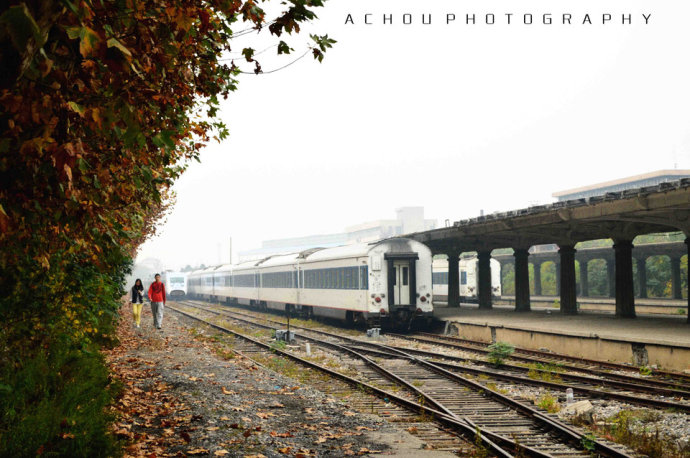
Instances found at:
x=401 y=283
x=402 y=278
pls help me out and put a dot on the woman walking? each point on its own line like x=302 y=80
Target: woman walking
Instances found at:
x=137 y=301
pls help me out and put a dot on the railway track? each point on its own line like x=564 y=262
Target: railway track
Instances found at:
x=527 y=355
x=659 y=394
x=506 y=426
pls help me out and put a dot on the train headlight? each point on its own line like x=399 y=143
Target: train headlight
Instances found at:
x=378 y=299
x=423 y=299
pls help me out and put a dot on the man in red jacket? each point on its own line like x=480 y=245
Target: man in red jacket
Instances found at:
x=157 y=298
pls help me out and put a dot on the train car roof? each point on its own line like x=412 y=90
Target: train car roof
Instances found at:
x=279 y=260
x=223 y=268
x=344 y=251
x=247 y=264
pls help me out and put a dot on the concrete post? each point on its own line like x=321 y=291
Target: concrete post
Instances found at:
x=521 y=280
x=453 y=279
x=625 y=293
x=611 y=276
x=584 y=277
x=568 y=285
x=537 y=278
x=675 y=278
x=484 y=279
x=642 y=276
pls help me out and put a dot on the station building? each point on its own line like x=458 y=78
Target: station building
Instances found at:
x=408 y=220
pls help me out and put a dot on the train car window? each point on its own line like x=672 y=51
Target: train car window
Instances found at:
x=463 y=277
x=364 y=277
x=404 y=275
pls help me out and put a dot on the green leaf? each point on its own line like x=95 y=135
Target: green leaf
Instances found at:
x=76 y=108
x=81 y=163
x=114 y=43
x=21 y=27
x=283 y=48
x=73 y=32
x=248 y=54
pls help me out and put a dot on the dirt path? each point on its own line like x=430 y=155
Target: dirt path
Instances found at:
x=184 y=396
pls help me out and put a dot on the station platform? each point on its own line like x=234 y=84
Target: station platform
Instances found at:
x=663 y=341
x=660 y=306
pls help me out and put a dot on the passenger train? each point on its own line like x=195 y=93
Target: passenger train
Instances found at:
x=468 y=279
x=386 y=282
x=175 y=283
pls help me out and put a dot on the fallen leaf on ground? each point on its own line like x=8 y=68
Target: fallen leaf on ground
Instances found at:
x=198 y=451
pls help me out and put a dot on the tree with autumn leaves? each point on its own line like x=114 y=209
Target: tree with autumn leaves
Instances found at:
x=103 y=105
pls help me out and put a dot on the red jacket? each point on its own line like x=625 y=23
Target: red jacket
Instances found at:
x=157 y=292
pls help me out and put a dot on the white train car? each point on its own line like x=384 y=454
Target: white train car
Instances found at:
x=387 y=281
x=175 y=283
x=246 y=282
x=467 y=268
x=279 y=282
x=201 y=283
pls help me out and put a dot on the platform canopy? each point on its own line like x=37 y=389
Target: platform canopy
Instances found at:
x=617 y=215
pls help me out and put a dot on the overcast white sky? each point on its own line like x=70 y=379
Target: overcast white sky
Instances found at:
x=456 y=118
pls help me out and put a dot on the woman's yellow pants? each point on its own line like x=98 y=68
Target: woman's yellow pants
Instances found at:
x=136 y=310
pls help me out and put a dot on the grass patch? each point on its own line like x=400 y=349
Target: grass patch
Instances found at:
x=546 y=372
x=278 y=345
x=499 y=352
x=548 y=403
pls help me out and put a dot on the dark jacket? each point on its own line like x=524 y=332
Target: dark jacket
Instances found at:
x=138 y=294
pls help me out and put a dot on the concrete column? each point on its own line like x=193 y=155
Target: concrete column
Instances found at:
x=521 y=280
x=642 y=276
x=584 y=277
x=611 y=276
x=625 y=293
x=675 y=278
x=484 y=279
x=568 y=284
x=453 y=279
x=537 y=278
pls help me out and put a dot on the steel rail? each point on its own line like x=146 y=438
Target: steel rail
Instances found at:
x=550 y=355
x=528 y=381
x=564 y=429
x=466 y=429
x=601 y=394
x=572 y=435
